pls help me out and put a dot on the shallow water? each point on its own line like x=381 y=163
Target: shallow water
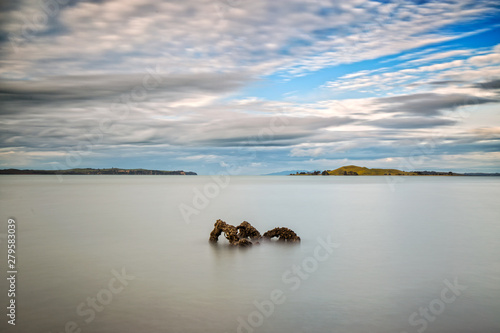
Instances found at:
x=394 y=251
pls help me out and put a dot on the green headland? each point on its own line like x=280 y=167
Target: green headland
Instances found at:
x=353 y=170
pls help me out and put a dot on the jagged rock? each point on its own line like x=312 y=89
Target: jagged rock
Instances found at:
x=283 y=234
x=229 y=231
x=241 y=234
x=246 y=230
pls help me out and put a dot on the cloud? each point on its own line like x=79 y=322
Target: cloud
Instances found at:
x=306 y=152
x=428 y=104
x=200 y=157
x=412 y=122
x=255 y=131
x=444 y=83
x=487 y=59
x=104 y=88
x=495 y=84
x=441 y=55
x=435 y=67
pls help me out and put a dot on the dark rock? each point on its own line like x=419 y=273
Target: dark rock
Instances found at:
x=283 y=234
x=229 y=231
x=246 y=230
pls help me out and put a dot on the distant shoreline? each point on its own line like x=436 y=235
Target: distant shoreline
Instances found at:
x=91 y=171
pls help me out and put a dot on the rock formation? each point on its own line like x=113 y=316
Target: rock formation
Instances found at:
x=246 y=230
x=229 y=231
x=245 y=233
x=283 y=234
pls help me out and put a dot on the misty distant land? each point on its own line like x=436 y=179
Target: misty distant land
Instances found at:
x=91 y=171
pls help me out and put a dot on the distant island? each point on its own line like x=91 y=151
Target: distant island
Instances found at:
x=353 y=170
x=90 y=171
x=286 y=173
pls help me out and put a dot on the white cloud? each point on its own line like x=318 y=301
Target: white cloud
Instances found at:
x=200 y=157
x=484 y=60
x=306 y=152
x=442 y=55
x=436 y=67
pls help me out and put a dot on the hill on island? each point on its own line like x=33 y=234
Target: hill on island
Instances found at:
x=363 y=171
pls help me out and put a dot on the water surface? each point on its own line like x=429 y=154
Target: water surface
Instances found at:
x=397 y=248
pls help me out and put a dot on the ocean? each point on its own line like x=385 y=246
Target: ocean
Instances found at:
x=131 y=254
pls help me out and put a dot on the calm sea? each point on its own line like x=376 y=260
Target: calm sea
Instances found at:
x=131 y=254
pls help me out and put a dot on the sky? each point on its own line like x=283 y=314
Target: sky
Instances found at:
x=250 y=87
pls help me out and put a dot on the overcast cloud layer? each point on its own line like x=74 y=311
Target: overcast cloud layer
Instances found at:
x=251 y=87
